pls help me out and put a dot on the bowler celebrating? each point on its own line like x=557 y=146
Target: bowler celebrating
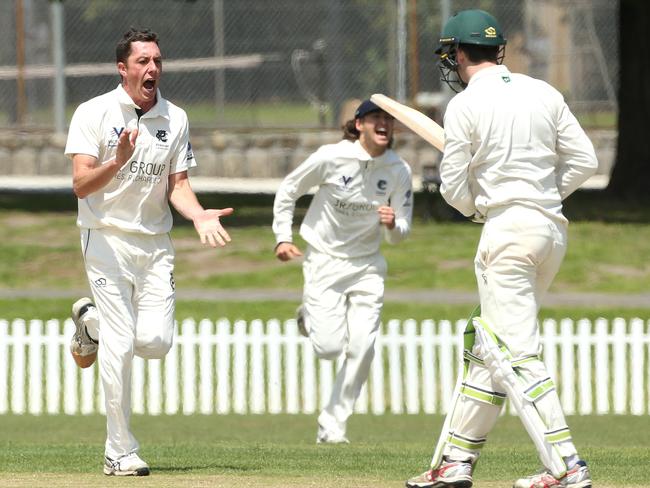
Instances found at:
x=130 y=153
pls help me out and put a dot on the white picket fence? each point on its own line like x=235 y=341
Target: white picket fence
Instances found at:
x=221 y=368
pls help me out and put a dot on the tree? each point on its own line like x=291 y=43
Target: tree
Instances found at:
x=631 y=174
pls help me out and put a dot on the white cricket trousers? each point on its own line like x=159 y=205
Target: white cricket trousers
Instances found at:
x=131 y=278
x=519 y=254
x=342 y=302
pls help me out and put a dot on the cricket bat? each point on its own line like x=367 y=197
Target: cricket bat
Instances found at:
x=413 y=119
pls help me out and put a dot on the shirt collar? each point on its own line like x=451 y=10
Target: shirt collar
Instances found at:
x=362 y=154
x=160 y=109
x=496 y=70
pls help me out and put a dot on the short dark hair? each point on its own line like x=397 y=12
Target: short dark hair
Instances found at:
x=477 y=53
x=123 y=49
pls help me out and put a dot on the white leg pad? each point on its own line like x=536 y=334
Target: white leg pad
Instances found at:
x=500 y=367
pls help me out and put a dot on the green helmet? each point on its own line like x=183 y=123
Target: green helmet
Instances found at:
x=468 y=27
x=472 y=27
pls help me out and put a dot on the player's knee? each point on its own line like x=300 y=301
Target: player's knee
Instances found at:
x=157 y=348
x=326 y=348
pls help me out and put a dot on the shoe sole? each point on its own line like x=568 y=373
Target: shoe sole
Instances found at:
x=136 y=472
x=84 y=361
x=442 y=484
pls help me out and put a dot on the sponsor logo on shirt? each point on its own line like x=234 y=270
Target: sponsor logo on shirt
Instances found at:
x=113 y=136
x=353 y=208
x=190 y=154
x=142 y=172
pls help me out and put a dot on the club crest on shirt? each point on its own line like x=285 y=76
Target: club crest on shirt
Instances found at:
x=161 y=135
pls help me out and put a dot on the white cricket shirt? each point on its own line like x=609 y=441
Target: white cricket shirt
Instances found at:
x=510 y=138
x=342 y=219
x=135 y=200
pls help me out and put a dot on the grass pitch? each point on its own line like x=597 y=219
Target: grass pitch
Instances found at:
x=279 y=451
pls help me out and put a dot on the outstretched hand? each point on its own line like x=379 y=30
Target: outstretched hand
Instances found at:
x=286 y=251
x=209 y=227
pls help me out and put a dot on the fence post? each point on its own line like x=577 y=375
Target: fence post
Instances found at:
x=188 y=366
x=240 y=372
x=447 y=358
x=4 y=367
x=620 y=366
x=584 y=367
x=637 y=366
x=52 y=367
x=18 y=368
x=429 y=383
x=291 y=366
x=395 y=367
x=35 y=379
x=411 y=356
x=274 y=366
x=223 y=366
x=567 y=367
x=602 y=340
x=309 y=392
x=257 y=373
x=172 y=397
x=206 y=379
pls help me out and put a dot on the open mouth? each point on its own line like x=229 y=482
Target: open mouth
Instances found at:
x=381 y=131
x=149 y=85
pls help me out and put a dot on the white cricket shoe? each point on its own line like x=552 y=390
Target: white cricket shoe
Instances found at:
x=451 y=474
x=82 y=346
x=576 y=477
x=329 y=438
x=127 y=465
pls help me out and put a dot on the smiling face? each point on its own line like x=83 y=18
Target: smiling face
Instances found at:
x=375 y=132
x=141 y=73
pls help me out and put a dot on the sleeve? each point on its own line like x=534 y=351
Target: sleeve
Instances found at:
x=576 y=156
x=307 y=175
x=84 y=134
x=454 y=167
x=402 y=202
x=183 y=156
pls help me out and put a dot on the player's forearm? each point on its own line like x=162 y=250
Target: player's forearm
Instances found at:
x=184 y=200
x=86 y=181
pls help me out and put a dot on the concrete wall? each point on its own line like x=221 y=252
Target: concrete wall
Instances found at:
x=259 y=154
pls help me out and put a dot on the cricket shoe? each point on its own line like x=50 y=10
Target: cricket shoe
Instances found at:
x=329 y=438
x=452 y=474
x=127 y=465
x=82 y=346
x=576 y=477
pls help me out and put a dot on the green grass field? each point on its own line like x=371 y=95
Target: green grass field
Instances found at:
x=602 y=257
x=279 y=450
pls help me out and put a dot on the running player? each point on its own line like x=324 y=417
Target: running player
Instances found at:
x=513 y=153
x=130 y=153
x=363 y=191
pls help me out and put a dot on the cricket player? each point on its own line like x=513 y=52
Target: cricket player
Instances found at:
x=363 y=192
x=513 y=153
x=130 y=154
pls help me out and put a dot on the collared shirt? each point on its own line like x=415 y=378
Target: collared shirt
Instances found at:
x=342 y=219
x=511 y=139
x=135 y=200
